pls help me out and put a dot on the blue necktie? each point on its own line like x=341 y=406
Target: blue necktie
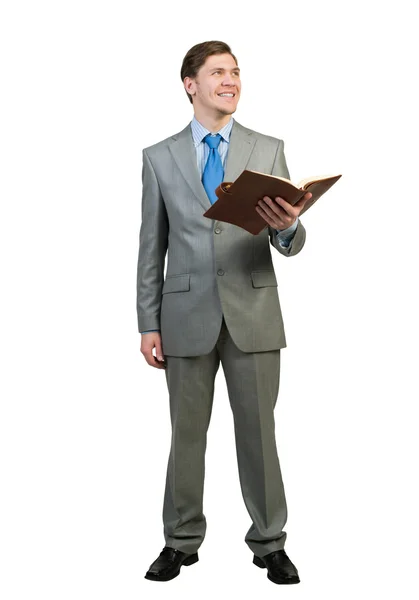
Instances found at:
x=213 y=173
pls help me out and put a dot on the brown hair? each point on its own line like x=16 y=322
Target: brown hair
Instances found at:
x=197 y=55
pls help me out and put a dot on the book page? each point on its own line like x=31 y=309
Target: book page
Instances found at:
x=274 y=176
x=308 y=180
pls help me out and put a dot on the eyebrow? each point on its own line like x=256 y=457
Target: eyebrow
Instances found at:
x=222 y=69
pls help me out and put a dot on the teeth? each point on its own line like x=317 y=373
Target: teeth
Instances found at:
x=228 y=95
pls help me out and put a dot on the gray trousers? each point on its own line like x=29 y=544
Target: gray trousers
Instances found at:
x=252 y=382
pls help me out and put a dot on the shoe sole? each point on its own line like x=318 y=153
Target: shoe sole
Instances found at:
x=288 y=581
x=190 y=560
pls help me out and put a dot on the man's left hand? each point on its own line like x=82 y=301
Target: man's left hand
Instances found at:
x=279 y=213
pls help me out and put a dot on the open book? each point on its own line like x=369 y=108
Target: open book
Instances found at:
x=237 y=200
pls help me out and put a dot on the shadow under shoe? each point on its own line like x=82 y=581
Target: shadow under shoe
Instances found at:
x=167 y=565
x=280 y=568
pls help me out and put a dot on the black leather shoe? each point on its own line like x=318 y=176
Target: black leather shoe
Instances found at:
x=280 y=568
x=167 y=565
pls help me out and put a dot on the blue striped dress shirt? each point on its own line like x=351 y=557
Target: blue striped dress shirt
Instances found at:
x=202 y=151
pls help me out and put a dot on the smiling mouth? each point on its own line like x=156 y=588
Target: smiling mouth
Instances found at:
x=227 y=95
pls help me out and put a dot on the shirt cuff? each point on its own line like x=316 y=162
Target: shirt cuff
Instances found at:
x=149 y=330
x=285 y=236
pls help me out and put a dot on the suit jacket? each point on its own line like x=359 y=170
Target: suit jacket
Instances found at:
x=213 y=268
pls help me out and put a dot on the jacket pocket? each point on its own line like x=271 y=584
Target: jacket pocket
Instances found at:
x=176 y=283
x=264 y=279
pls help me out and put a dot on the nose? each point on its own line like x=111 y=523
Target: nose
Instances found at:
x=228 y=80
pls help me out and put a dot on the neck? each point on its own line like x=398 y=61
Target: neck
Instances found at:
x=212 y=122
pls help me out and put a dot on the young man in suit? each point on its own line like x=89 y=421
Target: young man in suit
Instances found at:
x=218 y=302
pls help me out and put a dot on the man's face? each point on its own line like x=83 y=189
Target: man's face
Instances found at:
x=216 y=88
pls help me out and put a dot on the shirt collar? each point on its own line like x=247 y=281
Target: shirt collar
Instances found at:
x=199 y=131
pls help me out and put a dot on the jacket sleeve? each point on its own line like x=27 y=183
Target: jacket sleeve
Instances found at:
x=154 y=233
x=281 y=170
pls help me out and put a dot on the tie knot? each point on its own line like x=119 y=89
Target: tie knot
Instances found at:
x=213 y=141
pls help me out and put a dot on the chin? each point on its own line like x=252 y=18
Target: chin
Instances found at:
x=228 y=110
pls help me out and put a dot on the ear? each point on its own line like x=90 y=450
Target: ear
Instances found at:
x=190 y=85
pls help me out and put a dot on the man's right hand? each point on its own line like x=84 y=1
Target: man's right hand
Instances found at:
x=149 y=341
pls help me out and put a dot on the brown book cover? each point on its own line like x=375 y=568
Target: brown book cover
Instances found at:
x=237 y=200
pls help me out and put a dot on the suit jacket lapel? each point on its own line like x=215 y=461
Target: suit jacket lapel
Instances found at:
x=240 y=149
x=183 y=151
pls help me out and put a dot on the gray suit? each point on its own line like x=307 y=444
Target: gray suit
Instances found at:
x=218 y=301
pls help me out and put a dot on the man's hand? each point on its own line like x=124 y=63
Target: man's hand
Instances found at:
x=149 y=341
x=278 y=213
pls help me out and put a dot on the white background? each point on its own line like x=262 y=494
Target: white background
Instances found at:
x=85 y=428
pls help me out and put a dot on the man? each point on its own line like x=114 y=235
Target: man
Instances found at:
x=218 y=302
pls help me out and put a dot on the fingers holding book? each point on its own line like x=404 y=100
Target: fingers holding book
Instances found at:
x=279 y=213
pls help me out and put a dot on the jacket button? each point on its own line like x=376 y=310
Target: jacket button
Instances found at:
x=217 y=230
x=220 y=272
